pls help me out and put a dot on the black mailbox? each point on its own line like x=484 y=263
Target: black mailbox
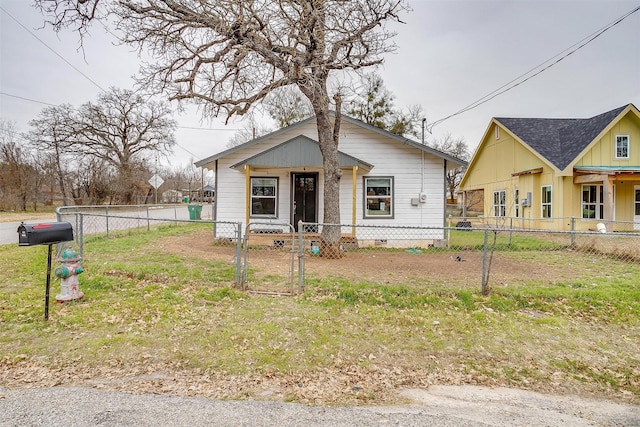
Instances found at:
x=45 y=233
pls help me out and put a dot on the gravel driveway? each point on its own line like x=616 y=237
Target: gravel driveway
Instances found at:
x=437 y=406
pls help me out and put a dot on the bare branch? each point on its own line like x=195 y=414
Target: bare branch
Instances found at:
x=228 y=55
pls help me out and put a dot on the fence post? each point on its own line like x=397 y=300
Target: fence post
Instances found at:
x=510 y=230
x=449 y=233
x=80 y=232
x=300 y=257
x=148 y=220
x=106 y=218
x=573 y=231
x=238 y=253
x=484 y=261
x=245 y=254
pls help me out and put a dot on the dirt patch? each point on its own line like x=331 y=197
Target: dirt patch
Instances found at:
x=408 y=267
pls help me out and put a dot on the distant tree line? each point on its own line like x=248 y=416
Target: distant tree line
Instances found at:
x=100 y=152
x=106 y=151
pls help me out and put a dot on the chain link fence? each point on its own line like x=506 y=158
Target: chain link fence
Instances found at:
x=220 y=243
x=275 y=258
x=269 y=257
x=556 y=223
x=468 y=256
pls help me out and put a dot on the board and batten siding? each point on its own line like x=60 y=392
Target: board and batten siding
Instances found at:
x=602 y=152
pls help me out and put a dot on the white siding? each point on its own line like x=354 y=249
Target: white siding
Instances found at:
x=403 y=163
x=389 y=157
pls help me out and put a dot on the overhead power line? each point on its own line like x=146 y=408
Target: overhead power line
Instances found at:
x=83 y=74
x=27 y=99
x=52 y=50
x=179 y=127
x=536 y=70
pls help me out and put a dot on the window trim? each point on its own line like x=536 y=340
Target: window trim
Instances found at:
x=599 y=203
x=548 y=203
x=391 y=197
x=276 y=197
x=502 y=207
x=628 y=147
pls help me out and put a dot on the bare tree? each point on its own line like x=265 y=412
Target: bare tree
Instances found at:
x=121 y=128
x=18 y=177
x=456 y=147
x=53 y=133
x=251 y=129
x=287 y=106
x=228 y=55
x=93 y=182
x=191 y=179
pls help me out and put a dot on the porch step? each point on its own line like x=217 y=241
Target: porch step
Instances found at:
x=284 y=240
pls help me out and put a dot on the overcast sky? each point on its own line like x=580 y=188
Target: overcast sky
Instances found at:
x=449 y=55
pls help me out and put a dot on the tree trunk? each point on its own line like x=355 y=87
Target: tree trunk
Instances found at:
x=60 y=176
x=330 y=238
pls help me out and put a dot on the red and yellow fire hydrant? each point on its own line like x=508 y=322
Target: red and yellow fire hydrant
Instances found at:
x=68 y=273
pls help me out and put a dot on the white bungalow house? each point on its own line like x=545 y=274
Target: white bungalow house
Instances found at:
x=277 y=179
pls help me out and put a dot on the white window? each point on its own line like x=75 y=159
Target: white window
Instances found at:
x=546 y=201
x=378 y=197
x=593 y=201
x=264 y=197
x=622 y=146
x=592 y=207
x=497 y=132
x=516 y=202
x=500 y=203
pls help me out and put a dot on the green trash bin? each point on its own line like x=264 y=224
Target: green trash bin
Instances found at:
x=195 y=212
x=185 y=199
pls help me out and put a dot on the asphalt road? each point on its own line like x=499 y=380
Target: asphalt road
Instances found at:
x=9 y=231
x=444 y=406
x=97 y=224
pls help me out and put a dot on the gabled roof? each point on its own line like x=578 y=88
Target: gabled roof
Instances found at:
x=560 y=141
x=452 y=161
x=300 y=151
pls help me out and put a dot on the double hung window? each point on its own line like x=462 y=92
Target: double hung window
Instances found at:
x=546 y=201
x=622 y=146
x=500 y=203
x=264 y=197
x=378 y=197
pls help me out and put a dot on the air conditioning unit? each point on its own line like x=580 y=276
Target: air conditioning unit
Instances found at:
x=526 y=202
x=422 y=198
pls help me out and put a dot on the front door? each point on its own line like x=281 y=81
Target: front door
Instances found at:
x=636 y=207
x=305 y=196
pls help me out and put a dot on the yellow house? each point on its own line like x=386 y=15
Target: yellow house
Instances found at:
x=559 y=174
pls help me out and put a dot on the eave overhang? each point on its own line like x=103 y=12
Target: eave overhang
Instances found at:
x=298 y=152
x=588 y=174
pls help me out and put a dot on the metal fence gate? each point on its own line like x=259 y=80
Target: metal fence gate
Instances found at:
x=272 y=249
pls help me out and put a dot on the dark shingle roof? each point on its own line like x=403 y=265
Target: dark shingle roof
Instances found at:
x=559 y=140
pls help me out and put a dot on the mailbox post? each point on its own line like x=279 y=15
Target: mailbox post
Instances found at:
x=48 y=233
